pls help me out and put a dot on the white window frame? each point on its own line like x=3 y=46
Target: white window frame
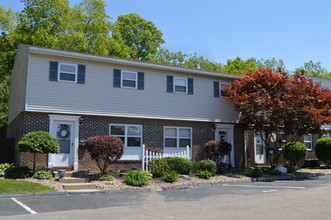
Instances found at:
x=59 y=72
x=126 y=136
x=177 y=136
x=223 y=84
x=186 y=84
x=122 y=78
x=310 y=141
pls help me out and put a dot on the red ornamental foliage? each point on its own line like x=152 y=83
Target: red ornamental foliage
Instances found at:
x=104 y=150
x=214 y=149
x=276 y=101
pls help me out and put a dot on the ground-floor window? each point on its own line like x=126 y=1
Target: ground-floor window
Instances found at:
x=131 y=135
x=177 y=136
x=308 y=141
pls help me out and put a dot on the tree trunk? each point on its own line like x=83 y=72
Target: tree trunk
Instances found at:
x=34 y=162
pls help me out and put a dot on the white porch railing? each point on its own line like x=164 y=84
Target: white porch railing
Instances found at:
x=148 y=155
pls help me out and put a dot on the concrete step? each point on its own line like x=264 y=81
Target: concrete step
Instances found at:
x=78 y=186
x=79 y=173
x=83 y=190
x=73 y=180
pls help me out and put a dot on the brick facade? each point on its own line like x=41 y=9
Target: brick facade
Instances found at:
x=202 y=132
x=311 y=155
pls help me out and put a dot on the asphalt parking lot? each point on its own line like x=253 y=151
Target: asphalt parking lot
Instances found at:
x=35 y=205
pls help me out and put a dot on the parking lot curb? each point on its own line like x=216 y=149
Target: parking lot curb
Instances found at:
x=299 y=176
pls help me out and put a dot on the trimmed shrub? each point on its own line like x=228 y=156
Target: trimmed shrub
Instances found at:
x=104 y=150
x=4 y=167
x=18 y=172
x=275 y=173
x=294 y=152
x=105 y=177
x=158 y=167
x=251 y=172
x=195 y=167
x=323 y=150
x=180 y=165
x=137 y=178
x=38 y=142
x=42 y=175
x=205 y=174
x=171 y=176
x=215 y=149
x=209 y=165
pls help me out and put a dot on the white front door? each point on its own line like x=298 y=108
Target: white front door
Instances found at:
x=63 y=132
x=65 y=128
x=224 y=132
x=259 y=150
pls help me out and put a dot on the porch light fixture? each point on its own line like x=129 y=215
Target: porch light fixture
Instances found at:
x=81 y=119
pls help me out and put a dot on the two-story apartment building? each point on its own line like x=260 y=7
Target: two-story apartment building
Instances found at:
x=77 y=95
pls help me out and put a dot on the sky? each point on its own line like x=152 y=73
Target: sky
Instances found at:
x=296 y=31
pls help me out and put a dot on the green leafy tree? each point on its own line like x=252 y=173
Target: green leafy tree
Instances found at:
x=141 y=36
x=7 y=20
x=179 y=58
x=38 y=142
x=271 y=64
x=238 y=66
x=315 y=69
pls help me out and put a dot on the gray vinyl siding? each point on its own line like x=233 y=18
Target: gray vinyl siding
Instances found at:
x=17 y=89
x=98 y=96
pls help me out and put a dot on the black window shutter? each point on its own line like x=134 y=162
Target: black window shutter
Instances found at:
x=117 y=78
x=170 y=84
x=141 y=80
x=190 y=86
x=81 y=74
x=53 y=69
x=216 y=89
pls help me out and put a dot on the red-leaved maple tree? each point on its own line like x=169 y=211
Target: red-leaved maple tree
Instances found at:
x=276 y=104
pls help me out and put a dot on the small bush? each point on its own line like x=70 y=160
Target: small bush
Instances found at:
x=137 y=178
x=105 y=177
x=4 y=167
x=180 y=165
x=294 y=152
x=291 y=170
x=205 y=174
x=195 y=167
x=42 y=175
x=18 y=172
x=104 y=150
x=214 y=149
x=275 y=173
x=158 y=167
x=38 y=142
x=323 y=150
x=170 y=176
x=209 y=165
x=251 y=172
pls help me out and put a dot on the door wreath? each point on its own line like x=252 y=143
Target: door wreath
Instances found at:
x=64 y=131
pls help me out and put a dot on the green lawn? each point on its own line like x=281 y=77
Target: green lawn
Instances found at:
x=17 y=186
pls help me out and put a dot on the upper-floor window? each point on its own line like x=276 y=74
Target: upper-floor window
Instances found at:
x=180 y=85
x=67 y=72
x=224 y=86
x=177 y=136
x=128 y=79
x=308 y=141
x=131 y=135
x=219 y=89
